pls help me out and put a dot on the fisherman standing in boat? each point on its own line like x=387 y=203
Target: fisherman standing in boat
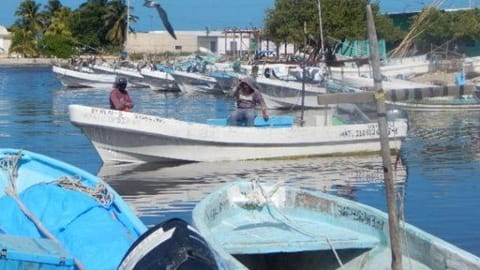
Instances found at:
x=119 y=97
x=247 y=97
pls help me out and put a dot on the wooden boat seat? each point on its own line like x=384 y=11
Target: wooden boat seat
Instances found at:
x=40 y=252
x=273 y=121
x=254 y=235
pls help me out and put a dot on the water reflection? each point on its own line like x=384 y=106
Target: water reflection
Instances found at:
x=159 y=191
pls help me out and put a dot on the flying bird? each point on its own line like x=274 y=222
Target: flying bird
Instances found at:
x=163 y=16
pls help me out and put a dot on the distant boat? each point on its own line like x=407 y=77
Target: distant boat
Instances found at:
x=133 y=137
x=190 y=82
x=449 y=103
x=251 y=225
x=159 y=79
x=72 y=78
x=125 y=69
x=57 y=216
x=283 y=94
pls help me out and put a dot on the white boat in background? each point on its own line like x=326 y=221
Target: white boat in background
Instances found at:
x=72 y=78
x=133 y=75
x=159 y=79
x=132 y=137
x=253 y=224
x=392 y=67
x=282 y=94
x=464 y=103
x=366 y=83
x=190 y=82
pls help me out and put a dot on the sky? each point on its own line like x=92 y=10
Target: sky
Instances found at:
x=219 y=14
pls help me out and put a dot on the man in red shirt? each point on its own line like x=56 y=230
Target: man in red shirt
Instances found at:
x=119 y=98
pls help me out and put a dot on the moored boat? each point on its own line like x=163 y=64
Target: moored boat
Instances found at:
x=57 y=215
x=449 y=103
x=133 y=137
x=251 y=225
x=72 y=78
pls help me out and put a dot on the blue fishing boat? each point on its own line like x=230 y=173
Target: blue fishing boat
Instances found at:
x=253 y=225
x=57 y=216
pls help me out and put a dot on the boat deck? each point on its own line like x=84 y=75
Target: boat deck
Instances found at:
x=247 y=232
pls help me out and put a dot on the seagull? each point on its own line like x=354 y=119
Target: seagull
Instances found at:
x=163 y=16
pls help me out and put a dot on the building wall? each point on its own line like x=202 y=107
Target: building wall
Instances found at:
x=234 y=44
x=158 y=42
x=5 y=41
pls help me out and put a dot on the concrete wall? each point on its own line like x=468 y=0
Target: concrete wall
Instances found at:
x=5 y=40
x=158 y=42
x=190 y=41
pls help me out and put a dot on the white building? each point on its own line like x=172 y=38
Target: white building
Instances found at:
x=5 y=40
x=228 y=42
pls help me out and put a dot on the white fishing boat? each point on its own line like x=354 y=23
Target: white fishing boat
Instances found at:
x=253 y=225
x=133 y=137
x=283 y=94
x=366 y=83
x=73 y=78
x=190 y=82
x=392 y=67
x=125 y=69
x=450 y=103
x=159 y=79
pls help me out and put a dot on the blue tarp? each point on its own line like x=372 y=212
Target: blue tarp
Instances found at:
x=88 y=230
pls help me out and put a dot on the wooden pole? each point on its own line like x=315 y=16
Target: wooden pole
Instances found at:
x=320 y=25
x=302 y=121
x=385 y=147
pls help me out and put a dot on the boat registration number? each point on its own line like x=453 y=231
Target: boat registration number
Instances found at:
x=371 y=130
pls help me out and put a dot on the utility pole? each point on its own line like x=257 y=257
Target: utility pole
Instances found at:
x=385 y=146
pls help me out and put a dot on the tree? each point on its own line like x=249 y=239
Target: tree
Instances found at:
x=115 y=19
x=23 y=43
x=58 y=40
x=49 y=11
x=341 y=19
x=88 y=26
x=27 y=29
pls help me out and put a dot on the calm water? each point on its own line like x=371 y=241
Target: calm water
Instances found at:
x=439 y=180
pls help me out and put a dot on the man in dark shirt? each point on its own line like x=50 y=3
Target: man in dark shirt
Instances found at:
x=247 y=97
x=119 y=98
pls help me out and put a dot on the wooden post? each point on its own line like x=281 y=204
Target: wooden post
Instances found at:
x=302 y=121
x=385 y=147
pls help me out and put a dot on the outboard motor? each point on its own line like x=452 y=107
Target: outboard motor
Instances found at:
x=173 y=245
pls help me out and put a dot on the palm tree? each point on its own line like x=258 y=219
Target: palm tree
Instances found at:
x=23 y=43
x=30 y=17
x=27 y=29
x=49 y=11
x=116 y=21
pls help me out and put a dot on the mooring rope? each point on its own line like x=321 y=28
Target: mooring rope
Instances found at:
x=10 y=164
x=291 y=223
x=100 y=192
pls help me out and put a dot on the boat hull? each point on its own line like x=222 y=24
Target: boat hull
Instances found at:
x=159 y=80
x=250 y=224
x=466 y=103
x=131 y=137
x=190 y=82
x=76 y=79
x=281 y=94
